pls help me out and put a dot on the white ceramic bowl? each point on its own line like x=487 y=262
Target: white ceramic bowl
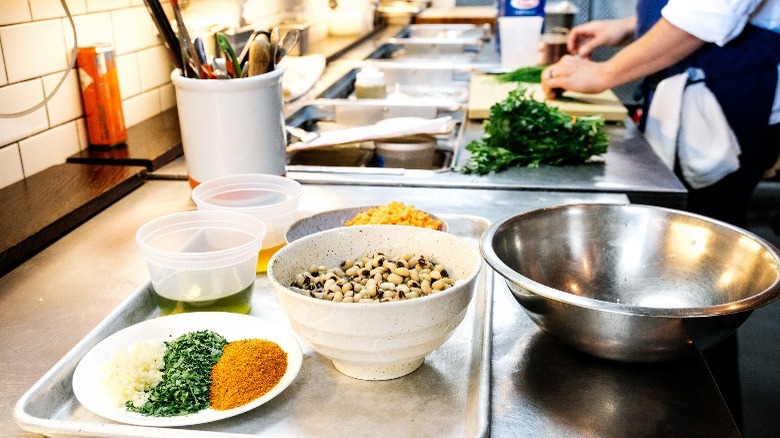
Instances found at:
x=376 y=341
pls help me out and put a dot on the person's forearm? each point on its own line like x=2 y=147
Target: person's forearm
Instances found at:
x=663 y=45
x=628 y=27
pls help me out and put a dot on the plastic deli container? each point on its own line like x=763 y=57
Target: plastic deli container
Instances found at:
x=202 y=260
x=270 y=198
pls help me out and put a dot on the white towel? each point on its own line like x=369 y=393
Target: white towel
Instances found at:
x=300 y=74
x=686 y=122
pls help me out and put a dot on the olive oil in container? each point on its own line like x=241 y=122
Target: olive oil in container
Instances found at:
x=195 y=291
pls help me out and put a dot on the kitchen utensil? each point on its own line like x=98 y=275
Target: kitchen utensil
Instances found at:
x=302 y=134
x=200 y=49
x=187 y=49
x=164 y=27
x=633 y=283
x=302 y=48
x=384 y=129
x=231 y=60
x=207 y=72
x=274 y=39
x=288 y=41
x=243 y=56
x=259 y=56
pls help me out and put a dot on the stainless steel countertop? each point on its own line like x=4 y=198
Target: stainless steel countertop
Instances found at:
x=629 y=167
x=539 y=388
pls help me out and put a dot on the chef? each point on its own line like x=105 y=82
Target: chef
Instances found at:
x=712 y=100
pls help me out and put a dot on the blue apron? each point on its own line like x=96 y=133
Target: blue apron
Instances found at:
x=743 y=77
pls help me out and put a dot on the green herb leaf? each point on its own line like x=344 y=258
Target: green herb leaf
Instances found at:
x=184 y=388
x=522 y=131
x=532 y=75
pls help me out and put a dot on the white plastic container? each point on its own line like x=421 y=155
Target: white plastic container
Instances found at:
x=370 y=83
x=269 y=198
x=202 y=260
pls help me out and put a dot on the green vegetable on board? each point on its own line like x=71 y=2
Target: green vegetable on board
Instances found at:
x=522 y=131
x=184 y=388
x=531 y=75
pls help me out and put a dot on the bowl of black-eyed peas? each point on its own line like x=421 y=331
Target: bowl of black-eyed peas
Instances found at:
x=375 y=299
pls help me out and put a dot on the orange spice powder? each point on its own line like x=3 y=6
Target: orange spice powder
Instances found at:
x=247 y=369
x=395 y=213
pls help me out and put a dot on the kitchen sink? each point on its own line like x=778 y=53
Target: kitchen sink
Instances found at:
x=324 y=115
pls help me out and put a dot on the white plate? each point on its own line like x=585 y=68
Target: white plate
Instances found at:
x=91 y=392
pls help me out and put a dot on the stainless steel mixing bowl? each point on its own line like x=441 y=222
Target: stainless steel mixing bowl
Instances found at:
x=632 y=283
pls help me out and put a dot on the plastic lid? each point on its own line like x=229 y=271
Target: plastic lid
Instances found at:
x=201 y=239
x=370 y=75
x=263 y=196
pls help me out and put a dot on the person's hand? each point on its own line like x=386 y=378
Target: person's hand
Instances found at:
x=576 y=74
x=585 y=38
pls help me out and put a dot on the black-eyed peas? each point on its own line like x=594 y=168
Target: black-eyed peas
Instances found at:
x=376 y=278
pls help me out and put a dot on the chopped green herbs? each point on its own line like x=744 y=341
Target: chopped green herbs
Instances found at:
x=522 y=131
x=531 y=75
x=184 y=388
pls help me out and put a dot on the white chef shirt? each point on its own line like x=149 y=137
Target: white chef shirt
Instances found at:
x=720 y=21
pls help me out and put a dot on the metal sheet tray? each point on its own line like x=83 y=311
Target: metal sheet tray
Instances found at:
x=448 y=395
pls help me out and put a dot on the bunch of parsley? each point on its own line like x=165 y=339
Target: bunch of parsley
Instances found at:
x=522 y=131
x=184 y=388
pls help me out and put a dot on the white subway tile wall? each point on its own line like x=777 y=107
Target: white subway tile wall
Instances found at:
x=3 y=78
x=36 y=41
x=66 y=104
x=18 y=97
x=10 y=165
x=44 y=9
x=33 y=49
x=41 y=151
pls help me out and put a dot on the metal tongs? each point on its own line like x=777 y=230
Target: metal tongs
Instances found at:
x=190 y=59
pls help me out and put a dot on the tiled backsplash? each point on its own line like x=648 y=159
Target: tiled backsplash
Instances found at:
x=35 y=44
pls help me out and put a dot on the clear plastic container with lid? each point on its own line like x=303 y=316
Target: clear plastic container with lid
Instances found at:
x=370 y=83
x=202 y=260
x=272 y=199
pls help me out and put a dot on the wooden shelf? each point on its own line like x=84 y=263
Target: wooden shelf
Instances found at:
x=40 y=209
x=151 y=144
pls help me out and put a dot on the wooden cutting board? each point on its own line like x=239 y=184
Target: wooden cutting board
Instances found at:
x=485 y=90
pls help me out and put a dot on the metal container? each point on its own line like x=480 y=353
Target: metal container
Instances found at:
x=632 y=283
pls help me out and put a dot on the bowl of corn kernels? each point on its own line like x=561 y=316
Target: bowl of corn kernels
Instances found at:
x=375 y=299
x=394 y=213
